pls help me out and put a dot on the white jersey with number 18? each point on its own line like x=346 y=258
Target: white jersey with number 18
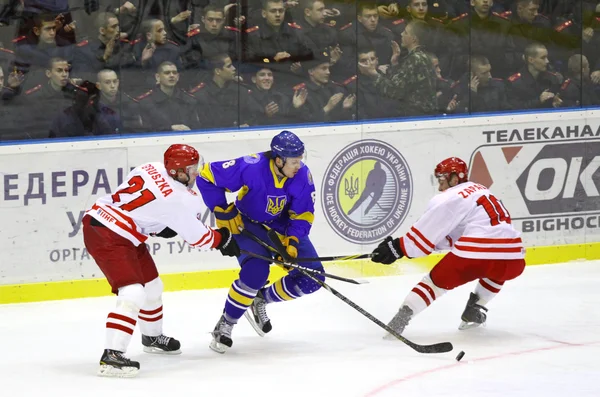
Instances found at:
x=148 y=202
x=469 y=219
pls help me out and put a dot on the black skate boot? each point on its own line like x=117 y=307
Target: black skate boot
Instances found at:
x=474 y=314
x=161 y=344
x=399 y=321
x=114 y=363
x=222 y=336
x=257 y=315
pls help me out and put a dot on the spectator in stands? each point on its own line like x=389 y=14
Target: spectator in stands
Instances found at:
x=152 y=50
x=367 y=34
x=444 y=88
x=478 y=91
x=118 y=111
x=480 y=33
x=436 y=38
x=168 y=108
x=577 y=90
x=34 y=57
x=11 y=130
x=528 y=26
x=370 y=104
x=218 y=98
x=325 y=101
x=14 y=77
x=264 y=104
x=411 y=80
x=534 y=86
x=210 y=39
x=313 y=25
x=38 y=106
x=282 y=45
x=108 y=50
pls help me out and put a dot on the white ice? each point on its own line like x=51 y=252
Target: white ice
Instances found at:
x=542 y=339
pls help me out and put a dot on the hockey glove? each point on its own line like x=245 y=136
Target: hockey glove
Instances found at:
x=228 y=246
x=229 y=217
x=291 y=246
x=388 y=251
x=166 y=233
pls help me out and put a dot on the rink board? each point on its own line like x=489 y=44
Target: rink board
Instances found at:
x=544 y=167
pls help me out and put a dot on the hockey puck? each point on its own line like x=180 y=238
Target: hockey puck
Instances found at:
x=460 y=356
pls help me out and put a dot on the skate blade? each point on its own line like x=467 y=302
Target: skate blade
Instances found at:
x=465 y=325
x=218 y=347
x=114 y=372
x=156 y=350
x=250 y=317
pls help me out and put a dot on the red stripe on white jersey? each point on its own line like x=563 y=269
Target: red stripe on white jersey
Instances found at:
x=490 y=240
x=417 y=244
x=420 y=235
x=428 y=289
x=122 y=318
x=120 y=328
x=149 y=313
x=124 y=224
x=489 y=287
x=403 y=247
x=469 y=248
x=205 y=239
x=150 y=319
x=422 y=295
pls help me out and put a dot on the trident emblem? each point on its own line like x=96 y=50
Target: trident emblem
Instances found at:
x=351 y=186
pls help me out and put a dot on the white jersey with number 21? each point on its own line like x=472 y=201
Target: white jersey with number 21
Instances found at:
x=148 y=202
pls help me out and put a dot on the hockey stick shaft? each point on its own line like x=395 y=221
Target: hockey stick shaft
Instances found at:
x=301 y=268
x=292 y=265
x=435 y=348
x=333 y=258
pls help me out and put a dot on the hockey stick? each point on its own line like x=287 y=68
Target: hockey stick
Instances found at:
x=333 y=258
x=255 y=238
x=443 y=347
x=302 y=268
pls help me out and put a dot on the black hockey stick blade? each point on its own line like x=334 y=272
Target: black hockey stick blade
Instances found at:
x=443 y=347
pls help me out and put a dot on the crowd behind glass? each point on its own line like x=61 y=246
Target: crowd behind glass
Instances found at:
x=105 y=67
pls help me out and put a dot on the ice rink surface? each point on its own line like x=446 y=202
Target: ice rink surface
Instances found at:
x=542 y=339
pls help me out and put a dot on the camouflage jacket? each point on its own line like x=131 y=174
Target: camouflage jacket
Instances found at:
x=413 y=83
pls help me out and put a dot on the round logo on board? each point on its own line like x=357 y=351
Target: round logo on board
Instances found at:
x=367 y=191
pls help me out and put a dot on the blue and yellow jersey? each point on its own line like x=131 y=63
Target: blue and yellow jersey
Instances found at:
x=286 y=205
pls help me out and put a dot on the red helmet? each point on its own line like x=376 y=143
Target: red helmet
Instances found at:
x=452 y=165
x=180 y=156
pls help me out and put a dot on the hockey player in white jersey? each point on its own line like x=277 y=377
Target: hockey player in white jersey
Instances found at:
x=156 y=200
x=468 y=219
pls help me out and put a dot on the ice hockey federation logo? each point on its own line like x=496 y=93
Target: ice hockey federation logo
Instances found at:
x=367 y=191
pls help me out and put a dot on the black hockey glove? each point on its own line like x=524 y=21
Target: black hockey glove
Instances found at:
x=166 y=233
x=388 y=251
x=228 y=246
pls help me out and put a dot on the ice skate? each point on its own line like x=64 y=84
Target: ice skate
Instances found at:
x=161 y=344
x=222 y=336
x=399 y=321
x=114 y=364
x=257 y=315
x=474 y=314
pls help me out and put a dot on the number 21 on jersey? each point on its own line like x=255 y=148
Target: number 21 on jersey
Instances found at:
x=135 y=185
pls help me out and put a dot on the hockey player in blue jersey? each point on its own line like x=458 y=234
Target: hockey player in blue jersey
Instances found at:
x=276 y=190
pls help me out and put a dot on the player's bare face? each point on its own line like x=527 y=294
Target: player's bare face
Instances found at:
x=188 y=176
x=291 y=167
x=444 y=183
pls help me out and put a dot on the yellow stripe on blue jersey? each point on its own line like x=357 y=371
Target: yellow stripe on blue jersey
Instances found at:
x=207 y=173
x=239 y=298
x=305 y=216
x=278 y=183
x=281 y=292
